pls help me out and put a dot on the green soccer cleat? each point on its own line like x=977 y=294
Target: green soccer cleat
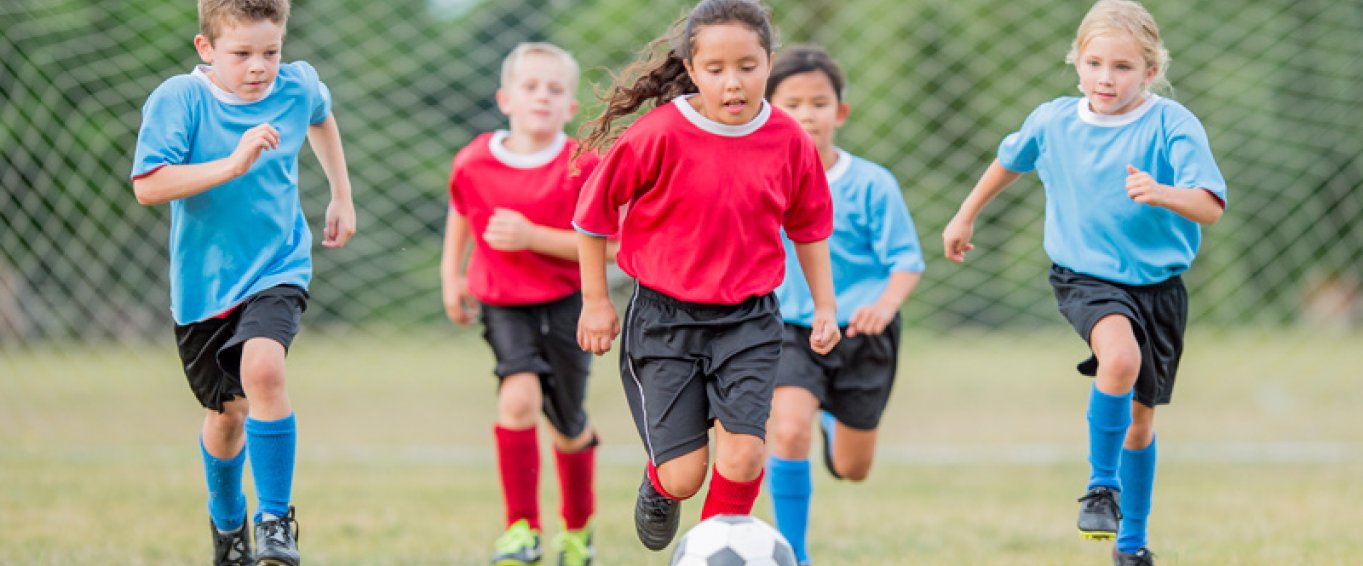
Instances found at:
x=575 y=547
x=518 y=546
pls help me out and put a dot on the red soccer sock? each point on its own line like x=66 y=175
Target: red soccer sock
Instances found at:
x=518 y=460
x=728 y=497
x=575 y=471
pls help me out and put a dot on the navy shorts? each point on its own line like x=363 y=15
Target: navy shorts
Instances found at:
x=542 y=339
x=210 y=350
x=1158 y=314
x=686 y=364
x=853 y=381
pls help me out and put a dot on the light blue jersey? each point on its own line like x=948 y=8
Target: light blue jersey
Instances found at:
x=247 y=234
x=1092 y=226
x=873 y=236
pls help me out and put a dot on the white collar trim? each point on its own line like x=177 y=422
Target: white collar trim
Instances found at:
x=840 y=167
x=201 y=71
x=525 y=160
x=683 y=104
x=1110 y=120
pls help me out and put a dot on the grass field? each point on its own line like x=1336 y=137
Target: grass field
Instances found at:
x=982 y=456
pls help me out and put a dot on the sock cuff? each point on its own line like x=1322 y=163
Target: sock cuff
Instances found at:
x=779 y=465
x=1128 y=396
x=1149 y=448
x=658 y=483
x=282 y=426
x=239 y=458
x=755 y=482
x=588 y=449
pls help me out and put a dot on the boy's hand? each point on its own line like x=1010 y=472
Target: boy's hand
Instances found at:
x=597 y=326
x=870 y=320
x=956 y=238
x=509 y=231
x=460 y=305
x=1142 y=188
x=340 y=223
x=255 y=141
x=824 y=335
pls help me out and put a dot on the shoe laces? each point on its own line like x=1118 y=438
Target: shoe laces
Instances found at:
x=519 y=535
x=1101 y=496
x=233 y=553
x=575 y=547
x=280 y=528
x=657 y=505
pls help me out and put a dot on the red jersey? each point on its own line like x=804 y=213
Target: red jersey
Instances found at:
x=707 y=201
x=486 y=176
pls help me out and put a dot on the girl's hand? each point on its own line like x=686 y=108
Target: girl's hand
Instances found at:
x=460 y=305
x=509 y=231
x=956 y=238
x=597 y=326
x=1142 y=188
x=340 y=223
x=870 y=320
x=824 y=335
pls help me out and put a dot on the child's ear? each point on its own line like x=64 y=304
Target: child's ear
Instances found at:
x=204 y=47
x=843 y=110
x=503 y=101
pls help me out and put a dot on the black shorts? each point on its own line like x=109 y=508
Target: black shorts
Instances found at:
x=1158 y=314
x=853 y=381
x=210 y=349
x=542 y=339
x=685 y=364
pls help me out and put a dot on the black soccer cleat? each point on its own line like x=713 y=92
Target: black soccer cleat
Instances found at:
x=232 y=548
x=655 y=517
x=277 y=541
x=1099 y=514
x=1142 y=557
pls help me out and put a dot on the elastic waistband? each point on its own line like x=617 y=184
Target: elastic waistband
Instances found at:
x=645 y=293
x=1172 y=282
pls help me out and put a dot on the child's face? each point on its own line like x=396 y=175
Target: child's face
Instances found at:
x=245 y=57
x=812 y=100
x=730 y=68
x=539 y=100
x=1113 y=74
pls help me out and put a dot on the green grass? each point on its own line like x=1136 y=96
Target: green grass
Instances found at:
x=982 y=455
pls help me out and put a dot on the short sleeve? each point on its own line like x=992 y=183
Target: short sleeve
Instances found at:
x=613 y=182
x=1019 y=150
x=320 y=108
x=168 y=120
x=1190 y=155
x=809 y=218
x=894 y=238
x=455 y=187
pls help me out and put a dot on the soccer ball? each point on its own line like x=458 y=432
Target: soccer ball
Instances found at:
x=733 y=540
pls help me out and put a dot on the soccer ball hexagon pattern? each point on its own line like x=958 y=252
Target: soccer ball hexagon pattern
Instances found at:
x=733 y=540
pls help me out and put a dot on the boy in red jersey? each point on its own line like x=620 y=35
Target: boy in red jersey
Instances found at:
x=711 y=176
x=512 y=196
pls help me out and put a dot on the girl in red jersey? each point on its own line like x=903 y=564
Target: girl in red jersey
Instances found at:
x=710 y=176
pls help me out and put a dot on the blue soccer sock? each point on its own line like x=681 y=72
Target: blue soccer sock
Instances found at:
x=791 y=487
x=1109 y=416
x=226 y=501
x=1138 y=485
x=272 y=445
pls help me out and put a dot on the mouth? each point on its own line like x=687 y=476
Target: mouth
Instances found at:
x=735 y=106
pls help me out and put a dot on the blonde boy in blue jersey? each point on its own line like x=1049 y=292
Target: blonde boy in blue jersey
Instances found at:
x=220 y=144
x=1129 y=180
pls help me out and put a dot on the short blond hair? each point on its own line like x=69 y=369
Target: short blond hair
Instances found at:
x=215 y=15
x=1108 y=17
x=539 y=48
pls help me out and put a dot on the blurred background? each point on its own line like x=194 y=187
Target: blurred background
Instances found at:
x=89 y=381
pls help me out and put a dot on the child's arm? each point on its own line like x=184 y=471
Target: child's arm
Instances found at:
x=1200 y=206
x=325 y=139
x=956 y=236
x=460 y=306
x=598 y=325
x=818 y=271
x=874 y=318
x=174 y=182
x=511 y=231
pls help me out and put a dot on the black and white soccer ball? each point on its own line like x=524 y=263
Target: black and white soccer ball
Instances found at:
x=733 y=540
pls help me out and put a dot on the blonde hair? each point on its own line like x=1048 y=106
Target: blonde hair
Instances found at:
x=539 y=48
x=214 y=15
x=1108 y=17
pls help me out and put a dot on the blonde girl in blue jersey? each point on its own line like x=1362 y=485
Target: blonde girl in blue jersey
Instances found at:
x=1130 y=179
x=876 y=262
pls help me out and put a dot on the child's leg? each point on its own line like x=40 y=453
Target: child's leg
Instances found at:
x=575 y=459
x=737 y=479
x=854 y=451
x=792 y=411
x=271 y=434
x=1139 y=456
x=223 y=443
x=1113 y=341
x=518 y=456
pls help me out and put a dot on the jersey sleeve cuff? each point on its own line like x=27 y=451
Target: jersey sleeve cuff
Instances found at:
x=582 y=230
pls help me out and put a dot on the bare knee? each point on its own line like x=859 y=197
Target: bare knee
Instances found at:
x=518 y=401
x=262 y=375
x=855 y=471
x=230 y=421
x=790 y=438
x=682 y=477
